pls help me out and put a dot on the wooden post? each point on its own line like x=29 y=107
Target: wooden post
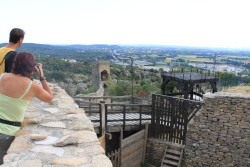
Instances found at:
x=183 y=78
x=106 y=117
x=152 y=131
x=163 y=89
x=102 y=118
x=185 y=91
x=140 y=116
x=112 y=103
x=192 y=94
x=124 y=117
x=145 y=142
x=121 y=137
x=90 y=107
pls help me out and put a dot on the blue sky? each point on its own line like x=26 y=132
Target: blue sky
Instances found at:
x=211 y=23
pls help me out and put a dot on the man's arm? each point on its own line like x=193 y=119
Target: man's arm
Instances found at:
x=9 y=58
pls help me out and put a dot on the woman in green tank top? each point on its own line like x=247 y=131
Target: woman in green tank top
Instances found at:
x=16 y=90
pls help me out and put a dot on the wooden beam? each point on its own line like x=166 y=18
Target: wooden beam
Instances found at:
x=145 y=143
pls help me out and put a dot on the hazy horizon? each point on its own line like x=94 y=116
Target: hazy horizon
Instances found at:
x=195 y=23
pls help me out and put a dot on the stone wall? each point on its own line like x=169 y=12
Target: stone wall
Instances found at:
x=56 y=134
x=97 y=68
x=219 y=135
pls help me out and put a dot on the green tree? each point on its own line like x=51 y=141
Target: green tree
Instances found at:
x=122 y=88
x=57 y=75
x=92 y=89
x=169 y=88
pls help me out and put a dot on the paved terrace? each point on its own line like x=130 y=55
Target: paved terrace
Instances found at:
x=56 y=134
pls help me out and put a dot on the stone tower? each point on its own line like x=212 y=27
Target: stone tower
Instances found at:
x=100 y=72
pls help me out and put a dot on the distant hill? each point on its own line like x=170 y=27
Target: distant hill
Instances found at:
x=78 y=52
x=95 y=51
x=96 y=46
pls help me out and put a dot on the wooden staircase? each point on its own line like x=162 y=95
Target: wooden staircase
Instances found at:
x=172 y=158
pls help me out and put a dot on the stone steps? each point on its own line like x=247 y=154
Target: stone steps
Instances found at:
x=172 y=157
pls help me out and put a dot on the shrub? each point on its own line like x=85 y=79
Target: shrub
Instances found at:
x=92 y=89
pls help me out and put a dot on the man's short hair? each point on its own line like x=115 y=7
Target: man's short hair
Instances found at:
x=16 y=34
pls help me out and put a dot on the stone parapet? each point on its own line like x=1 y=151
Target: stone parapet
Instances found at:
x=56 y=134
x=219 y=134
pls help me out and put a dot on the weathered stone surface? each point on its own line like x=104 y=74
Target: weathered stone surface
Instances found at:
x=75 y=117
x=85 y=136
x=38 y=136
x=68 y=99
x=22 y=144
x=54 y=124
x=49 y=150
x=88 y=151
x=35 y=121
x=70 y=161
x=76 y=111
x=11 y=159
x=31 y=108
x=51 y=110
x=31 y=114
x=32 y=163
x=50 y=118
x=99 y=160
x=54 y=102
x=22 y=132
x=67 y=106
x=38 y=124
x=48 y=141
x=81 y=125
x=66 y=140
x=67 y=132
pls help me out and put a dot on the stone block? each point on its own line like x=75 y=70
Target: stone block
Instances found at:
x=70 y=161
x=88 y=151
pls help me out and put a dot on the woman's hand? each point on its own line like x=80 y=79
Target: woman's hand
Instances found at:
x=39 y=69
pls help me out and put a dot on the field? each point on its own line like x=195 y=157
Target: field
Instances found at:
x=239 y=89
x=189 y=58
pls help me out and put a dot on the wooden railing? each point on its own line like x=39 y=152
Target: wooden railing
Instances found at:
x=113 y=99
x=125 y=115
x=170 y=116
x=118 y=113
x=115 y=158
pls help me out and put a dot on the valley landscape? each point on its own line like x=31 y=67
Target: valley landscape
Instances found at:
x=71 y=65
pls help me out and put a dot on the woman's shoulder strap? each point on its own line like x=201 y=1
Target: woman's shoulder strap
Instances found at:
x=1 y=75
x=26 y=90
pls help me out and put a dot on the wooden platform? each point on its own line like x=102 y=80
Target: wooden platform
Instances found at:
x=132 y=122
x=186 y=82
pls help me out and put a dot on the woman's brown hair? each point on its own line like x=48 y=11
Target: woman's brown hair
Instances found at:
x=23 y=64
